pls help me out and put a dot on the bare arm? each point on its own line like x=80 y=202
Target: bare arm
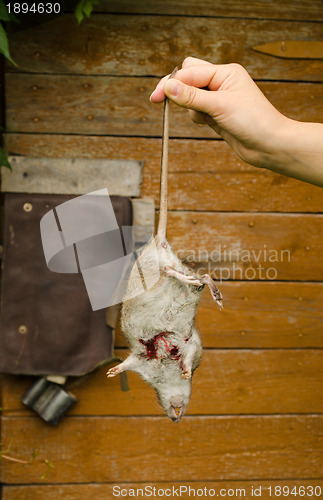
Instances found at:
x=227 y=99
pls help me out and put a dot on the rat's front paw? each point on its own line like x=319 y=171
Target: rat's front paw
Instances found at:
x=113 y=371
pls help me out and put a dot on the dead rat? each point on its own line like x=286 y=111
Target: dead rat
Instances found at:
x=159 y=322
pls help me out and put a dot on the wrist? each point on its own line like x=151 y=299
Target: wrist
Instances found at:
x=278 y=156
x=268 y=150
x=298 y=151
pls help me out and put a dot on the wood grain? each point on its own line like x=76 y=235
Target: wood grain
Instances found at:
x=114 y=449
x=103 y=105
x=263 y=315
x=260 y=315
x=106 y=491
x=143 y=219
x=227 y=382
x=240 y=246
x=71 y=176
x=128 y=44
x=203 y=175
x=290 y=9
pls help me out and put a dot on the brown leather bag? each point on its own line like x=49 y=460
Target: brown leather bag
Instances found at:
x=47 y=324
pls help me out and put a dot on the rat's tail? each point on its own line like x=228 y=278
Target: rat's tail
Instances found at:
x=162 y=223
x=161 y=231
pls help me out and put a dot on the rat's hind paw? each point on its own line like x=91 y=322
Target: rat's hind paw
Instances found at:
x=187 y=372
x=192 y=280
x=189 y=280
x=215 y=292
x=112 y=372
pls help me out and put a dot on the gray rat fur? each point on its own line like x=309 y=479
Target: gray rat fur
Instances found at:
x=159 y=322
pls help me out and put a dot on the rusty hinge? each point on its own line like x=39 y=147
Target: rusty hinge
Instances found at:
x=294 y=49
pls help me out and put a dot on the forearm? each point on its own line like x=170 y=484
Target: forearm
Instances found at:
x=299 y=152
x=227 y=99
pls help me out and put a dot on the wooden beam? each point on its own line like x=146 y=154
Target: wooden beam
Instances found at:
x=240 y=246
x=138 y=45
x=104 y=105
x=290 y=9
x=260 y=315
x=127 y=491
x=203 y=175
x=235 y=381
x=146 y=450
x=72 y=176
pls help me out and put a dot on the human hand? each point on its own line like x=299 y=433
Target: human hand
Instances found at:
x=227 y=99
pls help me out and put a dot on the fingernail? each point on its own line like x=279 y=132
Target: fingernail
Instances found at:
x=152 y=94
x=173 y=87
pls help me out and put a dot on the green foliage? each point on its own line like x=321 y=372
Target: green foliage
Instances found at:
x=49 y=465
x=5 y=17
x=4 y=160
x=4 y=14
x=84 y=8
x=4 y=46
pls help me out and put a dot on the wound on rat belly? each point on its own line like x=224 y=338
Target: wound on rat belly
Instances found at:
x=151 y=347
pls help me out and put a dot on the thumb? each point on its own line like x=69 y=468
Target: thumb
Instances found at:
x=188 y=96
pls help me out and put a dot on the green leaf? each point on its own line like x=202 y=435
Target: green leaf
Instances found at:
x=5 y=15
x=13 y=18
x=49 y=465
x=4 y=160
x=84 y=8
x=79 y=12
x=4 y=46
x=87 y=8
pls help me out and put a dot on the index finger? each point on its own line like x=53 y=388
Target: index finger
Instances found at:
x=158 y=95
x=201 y=75
x=193 y=61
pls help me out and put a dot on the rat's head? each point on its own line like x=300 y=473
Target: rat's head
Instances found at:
x=174 y=398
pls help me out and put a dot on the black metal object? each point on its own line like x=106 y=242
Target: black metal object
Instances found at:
x=49 y=400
